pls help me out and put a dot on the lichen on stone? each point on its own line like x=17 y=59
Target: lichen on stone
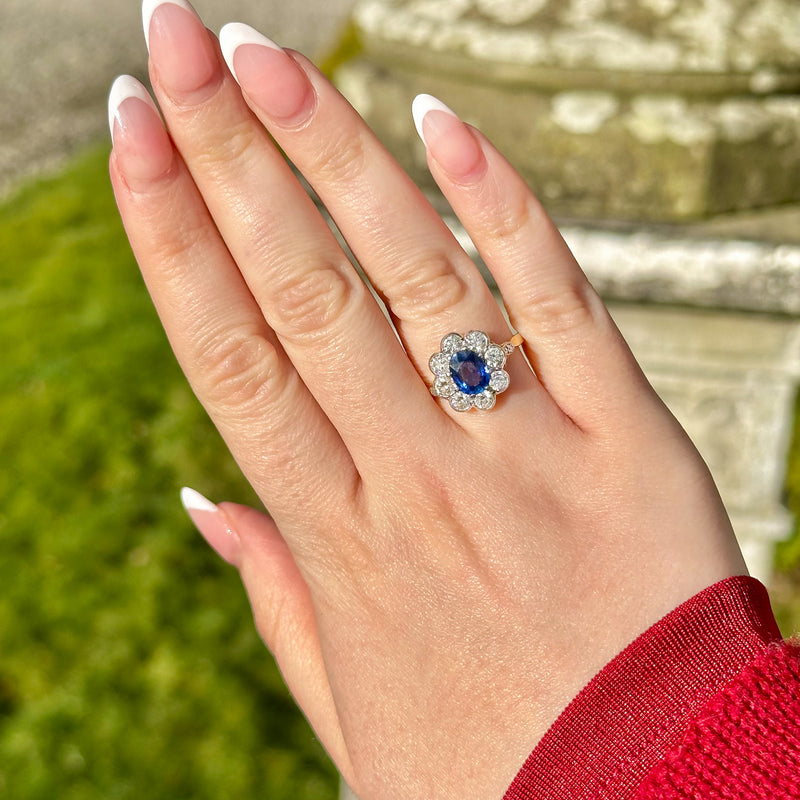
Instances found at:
x=520 y=47
x=437 y=10
x=657 y=36
x=607 y=46
x=742 y=120
x=583 y=112
x=656 y=118
x=510 y=12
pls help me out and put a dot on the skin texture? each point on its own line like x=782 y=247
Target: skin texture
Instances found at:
x=435 y=586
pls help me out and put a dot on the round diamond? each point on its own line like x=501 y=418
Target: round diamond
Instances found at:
x=499 y=380
x=440 y=364
x=452 y=343
x=477 y=341
x=494 y=356
x=444 y=386
x=469 y=372
x=485 y=400
x=461 y=402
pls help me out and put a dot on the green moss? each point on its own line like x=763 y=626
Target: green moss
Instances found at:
x=786 y=585
x=130 y=667
x=788 y=554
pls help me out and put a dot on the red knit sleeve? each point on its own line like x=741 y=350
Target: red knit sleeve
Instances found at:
x=705 y=701
x=745 y=744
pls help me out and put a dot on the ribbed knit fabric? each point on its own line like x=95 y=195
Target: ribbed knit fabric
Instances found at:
x=745 y=745
x=705 y=701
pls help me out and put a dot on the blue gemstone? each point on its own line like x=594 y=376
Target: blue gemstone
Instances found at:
x=469 y=372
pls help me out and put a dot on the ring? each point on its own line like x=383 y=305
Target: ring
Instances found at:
x=469 y=369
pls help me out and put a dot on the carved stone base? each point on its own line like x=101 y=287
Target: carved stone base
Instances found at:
x=730 y=380
x=600 y=154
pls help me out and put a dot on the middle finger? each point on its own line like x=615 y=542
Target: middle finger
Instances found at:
x=430 y=285
x=329 y=324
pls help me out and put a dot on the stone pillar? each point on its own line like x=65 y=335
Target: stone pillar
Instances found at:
x=643 y=109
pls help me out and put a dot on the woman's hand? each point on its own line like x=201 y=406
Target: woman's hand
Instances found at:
x=435 y=586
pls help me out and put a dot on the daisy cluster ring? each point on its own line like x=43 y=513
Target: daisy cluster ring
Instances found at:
x=469 y=370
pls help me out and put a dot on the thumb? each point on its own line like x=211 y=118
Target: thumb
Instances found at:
x=214 y=526
x=282 y=607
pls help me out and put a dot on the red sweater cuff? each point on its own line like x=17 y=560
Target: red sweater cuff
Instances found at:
x=640 y=705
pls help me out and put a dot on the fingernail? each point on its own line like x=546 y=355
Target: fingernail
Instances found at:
x=149 y=6
x=272 y=80
x=422 y=104
x=142 y=148
x=213 y=525
x=124 y=88
x=237 y=33
x=451 y=143
x=181 y=50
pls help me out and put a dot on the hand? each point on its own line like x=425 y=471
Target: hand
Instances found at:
x=435 y=586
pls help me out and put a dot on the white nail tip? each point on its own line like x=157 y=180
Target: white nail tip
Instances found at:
x=423 y=103
x=148 y=9
x=237 y=33
x=124 y=87
x=194 y=501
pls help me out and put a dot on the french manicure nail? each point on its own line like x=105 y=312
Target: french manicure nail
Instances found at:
x=194 y=501
x=274 y=82
x=148 y=9
x=422 y=104
x=449 y=142
x=123 y=88
x=237 y=33
x=213 y=524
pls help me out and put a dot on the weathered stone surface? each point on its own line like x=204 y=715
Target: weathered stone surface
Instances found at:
x=595 y=153
x=664 y=110
x=730 y=379
x=737 y=45
x=666 y=268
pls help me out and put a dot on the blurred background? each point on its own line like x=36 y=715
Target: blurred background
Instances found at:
x=129 y=666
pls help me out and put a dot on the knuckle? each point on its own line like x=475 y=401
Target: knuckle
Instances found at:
x=513 y=217
x=176 y=250
x=222 y=150
x=429 y=288
x=564 y=310
x=340 y=159
x=519 y=219
x=241 y=370
x=312 y=303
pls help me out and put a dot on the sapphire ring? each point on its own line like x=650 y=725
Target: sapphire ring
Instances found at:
x=469 y=369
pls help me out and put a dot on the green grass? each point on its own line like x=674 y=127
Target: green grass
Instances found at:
x=785 y=588
x=129 y=666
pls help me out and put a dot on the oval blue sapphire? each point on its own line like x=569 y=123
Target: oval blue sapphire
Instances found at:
x=469 y=371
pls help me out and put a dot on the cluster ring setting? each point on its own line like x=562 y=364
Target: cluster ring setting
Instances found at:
x=469 y=370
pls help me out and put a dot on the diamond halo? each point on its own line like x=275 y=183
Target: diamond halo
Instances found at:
x=468 y=370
